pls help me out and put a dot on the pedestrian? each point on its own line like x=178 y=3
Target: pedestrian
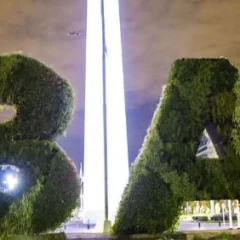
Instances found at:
x=88 y=224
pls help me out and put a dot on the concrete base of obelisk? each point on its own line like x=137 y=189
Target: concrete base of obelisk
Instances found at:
x=103 y=227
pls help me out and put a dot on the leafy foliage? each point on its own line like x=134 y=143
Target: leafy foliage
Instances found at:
x=40 y=97
x=167 y=172
x=57 y=236
x=49 y=189
x=22 y=209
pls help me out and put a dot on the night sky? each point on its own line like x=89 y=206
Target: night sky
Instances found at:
x=154 y=34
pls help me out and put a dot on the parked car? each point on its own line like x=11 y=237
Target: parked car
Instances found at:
x=200 y=218
x=219 y=217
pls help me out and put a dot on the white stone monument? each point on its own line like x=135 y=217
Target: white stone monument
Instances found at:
x=117 y=151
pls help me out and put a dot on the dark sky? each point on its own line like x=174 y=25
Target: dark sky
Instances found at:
x=154 y=34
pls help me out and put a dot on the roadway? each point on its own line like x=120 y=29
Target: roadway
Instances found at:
x=185 y=225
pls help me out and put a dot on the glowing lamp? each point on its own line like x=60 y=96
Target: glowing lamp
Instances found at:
x=9 y=178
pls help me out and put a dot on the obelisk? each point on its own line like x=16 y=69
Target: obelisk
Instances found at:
x=117 y=151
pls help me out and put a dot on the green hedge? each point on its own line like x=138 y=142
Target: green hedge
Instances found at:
x=57 y=236
x=43 y=100
x=49 y=187
x=222 y=236
x=199 y=92
x=58 y=194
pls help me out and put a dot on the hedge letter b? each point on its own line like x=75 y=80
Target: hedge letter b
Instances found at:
x=49 y=187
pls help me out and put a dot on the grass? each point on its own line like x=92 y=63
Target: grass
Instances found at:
x=57 y=236
x=172 y=236
x=223 y=236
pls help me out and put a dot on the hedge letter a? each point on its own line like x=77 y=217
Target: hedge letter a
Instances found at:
x=200 y=94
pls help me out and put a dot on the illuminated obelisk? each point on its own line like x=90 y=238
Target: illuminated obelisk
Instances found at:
x=117 y=152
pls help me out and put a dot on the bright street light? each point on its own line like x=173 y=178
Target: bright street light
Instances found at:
x=11 y=181
x=9 y=178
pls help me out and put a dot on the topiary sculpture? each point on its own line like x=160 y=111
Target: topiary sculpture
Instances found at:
x=44 y=105
x=199 y=93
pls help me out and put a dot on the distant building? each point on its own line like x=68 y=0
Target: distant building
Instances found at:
x=78 y=212
x=81 y=186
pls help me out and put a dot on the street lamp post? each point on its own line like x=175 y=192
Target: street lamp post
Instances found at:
x=107 y=223
x=223 y=213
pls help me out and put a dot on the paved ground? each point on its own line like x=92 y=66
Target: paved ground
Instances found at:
x=77 y=227
x=86 y=237
x=77 y=230
x=194 y=226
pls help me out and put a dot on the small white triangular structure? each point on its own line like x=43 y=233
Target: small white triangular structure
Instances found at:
x=210 y=145
x=206 y=148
